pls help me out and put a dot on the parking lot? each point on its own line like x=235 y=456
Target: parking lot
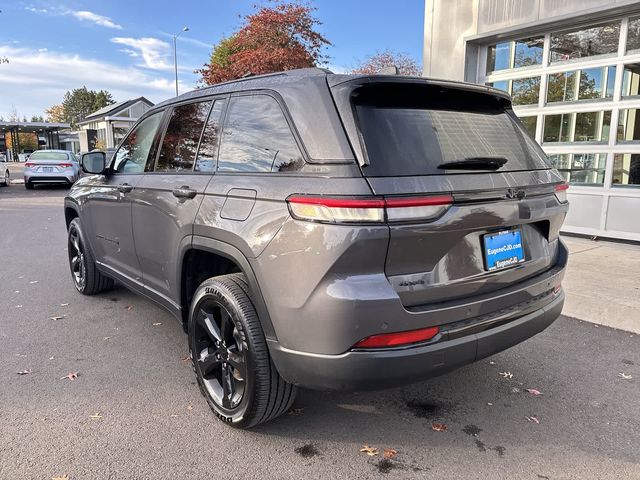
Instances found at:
x=562 y=405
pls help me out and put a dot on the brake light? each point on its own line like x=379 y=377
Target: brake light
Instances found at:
x=399 y=338
x=368 y=210
x=29 y=165
x=64 y=165
x=561 y=192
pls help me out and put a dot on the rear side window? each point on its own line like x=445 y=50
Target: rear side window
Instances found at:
x=134 y=152
x=180 y=142
x=256 y=137
x=208 y=152
x=415 y=129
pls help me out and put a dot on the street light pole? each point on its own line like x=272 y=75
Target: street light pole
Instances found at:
x=175 y=54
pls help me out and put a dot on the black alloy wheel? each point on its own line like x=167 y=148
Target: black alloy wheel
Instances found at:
x=77 y=261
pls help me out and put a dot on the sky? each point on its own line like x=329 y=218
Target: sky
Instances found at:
x=126 y=47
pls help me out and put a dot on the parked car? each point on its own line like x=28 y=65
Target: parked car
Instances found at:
x=51 y=166
x=334 y=232
x=5 y=175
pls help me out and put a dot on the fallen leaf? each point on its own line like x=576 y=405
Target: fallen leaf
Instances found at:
x=173 y=415
x=371 y=451
x=625 y=376
x=17 y=291
x=70 y=376
x=157 y=323
x=439 y=427
x=51 y=357
x=106 y=338
x=506 y=374
x=129 y=307
x=492 y=363
x=295 y=412
x=389 y=453
x=490 y=404
x=64 y=477
x=33 y=282
x=25 y=372
x=96 y=416
x=64 y=304
x=186 y=359
x=534 y=392
x=189 y=408
x=20 y=354
x=18 y=306
x=532 y=419
x=515 y=390
x=57 y=317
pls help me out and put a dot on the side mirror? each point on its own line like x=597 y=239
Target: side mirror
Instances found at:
x=93 y=162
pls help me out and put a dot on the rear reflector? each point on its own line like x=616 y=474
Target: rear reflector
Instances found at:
x=64 y=165
x=399 y=338
x=561 y=192
x=368 y=210
x=29 y=165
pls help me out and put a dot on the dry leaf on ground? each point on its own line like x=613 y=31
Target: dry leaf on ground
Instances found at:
x=70 y=376
x=96 y=416
x=534 y=392
x=371 y=451
x=186 y=359
x=157 y=323
x=64 y=477
x=33 y=282
x=57 y=317
x=389 y=453
x=532 y=419
x=625 y=376
x=506 y=374
x=189 y=407
x=64 y=304
x=25 y=372
x=439 y=427
x=129 y=307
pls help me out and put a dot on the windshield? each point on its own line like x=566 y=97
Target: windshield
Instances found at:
x=406 y=131
x=49 y=156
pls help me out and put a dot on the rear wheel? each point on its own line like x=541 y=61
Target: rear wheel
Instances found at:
x=230 y=356
x=86 y=277
x=28 y=185
x=7 y=178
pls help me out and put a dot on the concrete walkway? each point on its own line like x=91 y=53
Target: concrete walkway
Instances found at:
x=602 y=283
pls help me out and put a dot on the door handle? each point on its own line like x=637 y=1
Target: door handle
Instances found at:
x=184 y=192
x=125 y=188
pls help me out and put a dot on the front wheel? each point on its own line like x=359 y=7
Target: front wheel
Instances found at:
x=230 y=357
x=7 y=178
x=87 y=279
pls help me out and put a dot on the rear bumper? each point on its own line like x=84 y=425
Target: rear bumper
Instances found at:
x=67 y=178
x=370 y=370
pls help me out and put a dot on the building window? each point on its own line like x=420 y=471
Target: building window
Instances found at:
x=529 y=124
x=515 y=54
x=633 y=35
x=577 y=127
x=631 y=80
x=587 y=84
x=629 y=125
x=626 y=169
x=587 y=42
x=525 y=91
x=503 y=85
x=581 y=168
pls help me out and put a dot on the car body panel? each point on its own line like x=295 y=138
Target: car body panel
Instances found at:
x=49 y=171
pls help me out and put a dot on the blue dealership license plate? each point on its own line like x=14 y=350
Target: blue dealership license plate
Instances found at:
x=503 y=249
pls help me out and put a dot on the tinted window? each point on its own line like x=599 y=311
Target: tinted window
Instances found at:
x=49 y=156
x=499 y=57
x=584 y=168
x=631 y=80
x=633 y=35
x=529 y=124
x=577 y=127
x=134 y=152
x=528 y=52
x=257 y=138
x=405 y=134
x=208 y=152
x=626 y=169
x=561 y=87
x=600 y=40
x=180 y=141
x=525 y=91
x=628 y=125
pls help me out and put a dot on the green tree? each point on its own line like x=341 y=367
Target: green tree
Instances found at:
x=37 y=118
x=79 y=103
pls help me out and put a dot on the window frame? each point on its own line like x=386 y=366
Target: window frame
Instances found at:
x=287 y=116
x=154 y=143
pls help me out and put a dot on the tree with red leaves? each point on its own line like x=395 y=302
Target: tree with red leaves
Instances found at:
x=381 y=60
x=274 y=38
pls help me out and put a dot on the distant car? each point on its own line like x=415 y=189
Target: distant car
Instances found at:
x=5 y=176
x=51 y=166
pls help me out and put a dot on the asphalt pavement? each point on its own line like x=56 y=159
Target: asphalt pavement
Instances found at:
x=135 y=412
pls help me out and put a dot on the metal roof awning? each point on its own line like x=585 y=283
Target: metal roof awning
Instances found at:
x=33 y=127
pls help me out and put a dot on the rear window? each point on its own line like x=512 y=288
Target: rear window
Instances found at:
x=48 y=156
x=415 y=129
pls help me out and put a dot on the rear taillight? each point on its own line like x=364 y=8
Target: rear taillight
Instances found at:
x=561 y=192
x=368 y=210
x=29 y=165
x=384 y=340
x=64 y=165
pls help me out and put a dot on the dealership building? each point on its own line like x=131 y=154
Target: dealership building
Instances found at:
x=572 y=68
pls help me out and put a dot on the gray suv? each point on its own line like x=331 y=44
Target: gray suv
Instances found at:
x=327 y=231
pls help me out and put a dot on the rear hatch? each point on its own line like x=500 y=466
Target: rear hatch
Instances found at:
x=416 y=138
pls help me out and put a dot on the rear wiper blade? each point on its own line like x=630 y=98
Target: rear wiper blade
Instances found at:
x=474 y=163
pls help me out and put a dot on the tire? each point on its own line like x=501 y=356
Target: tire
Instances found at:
x=230 y=357
x=28 y=185
x=7 y=178
x=85 y=274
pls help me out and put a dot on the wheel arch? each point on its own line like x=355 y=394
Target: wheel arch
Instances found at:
x=239 y=260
